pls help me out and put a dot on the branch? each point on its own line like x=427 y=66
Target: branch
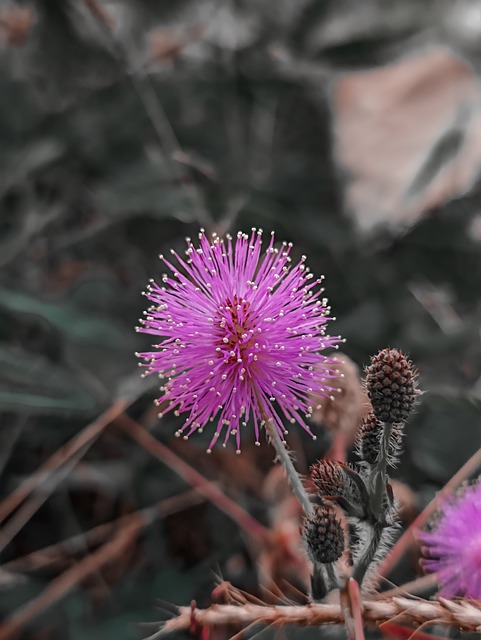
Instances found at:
x=462 y=614
x=204 y=486
x=47 y=557
x=81 y=442
x=67 y=581
x=124 y=530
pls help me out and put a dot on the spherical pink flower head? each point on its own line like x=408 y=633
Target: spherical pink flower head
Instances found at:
x=240 y=336
x=453 y=548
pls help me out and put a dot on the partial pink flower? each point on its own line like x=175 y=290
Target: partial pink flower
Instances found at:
x=239 y=330
x=453 y=548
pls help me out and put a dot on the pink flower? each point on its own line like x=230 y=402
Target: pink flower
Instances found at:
x=240 y=335
x=453 y=548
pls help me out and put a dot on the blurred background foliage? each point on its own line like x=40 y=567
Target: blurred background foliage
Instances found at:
x=350 y=128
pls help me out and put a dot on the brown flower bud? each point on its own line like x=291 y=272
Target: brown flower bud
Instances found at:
x=329 y=478
x=369 y=438
x=324 y=535
x=341 y=413
x=391 y=381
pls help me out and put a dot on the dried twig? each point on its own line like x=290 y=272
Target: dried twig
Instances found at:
x=41 y=495
x=61 y=586
x=49 y=556
x=204 y=486
x=84 y=440
x=353 y=609
x=463 y=614
x=409 y=588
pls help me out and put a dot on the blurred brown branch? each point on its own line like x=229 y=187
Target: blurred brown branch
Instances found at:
x=129 y=528
x=154 y=110
x=462 y=614
x=82 y=442
x=52 y=554
x=193 y=477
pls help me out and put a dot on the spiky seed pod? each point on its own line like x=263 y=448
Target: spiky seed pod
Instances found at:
x=369 y=438
x=329 y=478
x=391 y=384
x=342 y=484
x=324 y=535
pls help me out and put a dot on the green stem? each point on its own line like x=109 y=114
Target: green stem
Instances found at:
x=368 y=557
x=377 y=505
x=380 y=476
x=293 y=477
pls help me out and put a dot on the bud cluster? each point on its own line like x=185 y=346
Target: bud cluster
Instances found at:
x=363 y=495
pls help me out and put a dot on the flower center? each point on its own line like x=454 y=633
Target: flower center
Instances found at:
x=235 y=331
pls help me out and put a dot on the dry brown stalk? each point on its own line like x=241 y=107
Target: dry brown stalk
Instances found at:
x=62 y=585
x=50 y=555
x=204 y=486
x=463 y=614
x=409 y=588
x=353 y=610
x=129 y=527
x=83 y=440
x=33 y=504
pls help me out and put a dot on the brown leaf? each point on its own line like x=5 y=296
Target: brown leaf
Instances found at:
x=16 y=25
x=407 y=135
x=343 y=414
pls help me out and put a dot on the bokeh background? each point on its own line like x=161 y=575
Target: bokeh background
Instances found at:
x=353 y=129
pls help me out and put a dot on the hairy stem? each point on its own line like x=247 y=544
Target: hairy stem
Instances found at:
x=370 y=552
x=284 y=458
x=377 y=505
x=380 y=477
